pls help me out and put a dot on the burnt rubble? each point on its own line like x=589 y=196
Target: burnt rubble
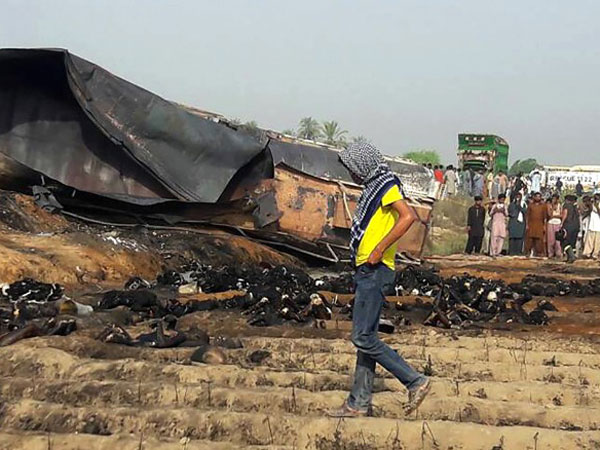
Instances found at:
x=29 y=308
x=274 y=296
x=268 y=296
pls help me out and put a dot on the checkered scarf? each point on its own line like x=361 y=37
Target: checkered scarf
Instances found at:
x=368 y=165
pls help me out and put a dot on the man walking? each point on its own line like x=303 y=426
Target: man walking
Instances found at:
x=516 y=225
x=570 y=223
x=475 y=220
x=535 y=224
x=381 y=217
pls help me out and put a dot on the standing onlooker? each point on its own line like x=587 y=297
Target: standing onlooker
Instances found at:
x=585 y=210
x=516 y=225
x=591 y=247
x=478 y=184
x=559 y=185
x=502 y=182
x=535 y=223
x=579 y=188
x=495 y=191
x=438 y=174
x=467 y=182
x=475 y=220
x=554 y=221
x=498 y=216
x=536 y=181
x=450 y=180
x=518 y=186
x=486 y=245
x=570 y=223
x=489 y=184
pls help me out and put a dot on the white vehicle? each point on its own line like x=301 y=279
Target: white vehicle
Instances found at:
x=588 y=175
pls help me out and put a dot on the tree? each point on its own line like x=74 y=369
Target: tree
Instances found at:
x=251 y=127
x=332 y=133
x=523 y=166
x=289 y=132
x=308 y=128
x=423 y=157
x=360 y=140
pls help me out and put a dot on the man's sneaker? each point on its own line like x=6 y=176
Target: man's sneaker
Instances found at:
x=417 y=395
x=346 y=411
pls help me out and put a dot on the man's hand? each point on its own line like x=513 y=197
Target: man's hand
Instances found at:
x=375 y=257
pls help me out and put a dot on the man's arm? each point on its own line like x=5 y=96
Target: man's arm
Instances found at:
x=406 y=217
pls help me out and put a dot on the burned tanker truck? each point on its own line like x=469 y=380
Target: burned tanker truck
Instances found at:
x=100 y=148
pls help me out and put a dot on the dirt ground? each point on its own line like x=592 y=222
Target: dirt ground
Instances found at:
x=519 y=388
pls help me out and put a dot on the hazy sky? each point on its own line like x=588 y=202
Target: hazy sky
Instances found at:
x=406 y=74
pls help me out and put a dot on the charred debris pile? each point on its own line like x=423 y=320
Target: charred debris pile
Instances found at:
x=269 y=296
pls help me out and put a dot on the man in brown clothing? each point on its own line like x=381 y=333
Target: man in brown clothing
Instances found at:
x=536 y=224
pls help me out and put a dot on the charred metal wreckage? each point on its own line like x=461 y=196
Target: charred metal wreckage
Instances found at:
x=106 y=150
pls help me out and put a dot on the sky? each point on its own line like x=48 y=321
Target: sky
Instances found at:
x=408 y=75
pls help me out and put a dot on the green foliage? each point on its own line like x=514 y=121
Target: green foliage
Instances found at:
x=524 y=166
x=360 y=140
x=251 y=125
x=423 y=156
x=289 y=132
x=309 y=128
x=332 y=133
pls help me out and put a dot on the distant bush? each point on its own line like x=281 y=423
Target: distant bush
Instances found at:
x=423 y=157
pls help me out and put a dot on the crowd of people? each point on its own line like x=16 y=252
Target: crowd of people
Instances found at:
x=541 y=221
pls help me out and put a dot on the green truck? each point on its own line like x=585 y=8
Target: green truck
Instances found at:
x=482 y=151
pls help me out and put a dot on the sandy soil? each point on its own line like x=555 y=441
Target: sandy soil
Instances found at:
x=47 y=247
x=524 y=390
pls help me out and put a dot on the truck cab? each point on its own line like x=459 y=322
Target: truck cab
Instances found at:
x=482 y=152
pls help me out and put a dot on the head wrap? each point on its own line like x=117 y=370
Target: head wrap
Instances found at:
x=364 y=160
x=368 y=165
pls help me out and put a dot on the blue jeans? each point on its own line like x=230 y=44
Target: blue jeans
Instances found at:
x=371 y=282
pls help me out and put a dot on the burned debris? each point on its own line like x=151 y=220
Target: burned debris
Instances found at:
x=30 y=308
x=268 y=296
